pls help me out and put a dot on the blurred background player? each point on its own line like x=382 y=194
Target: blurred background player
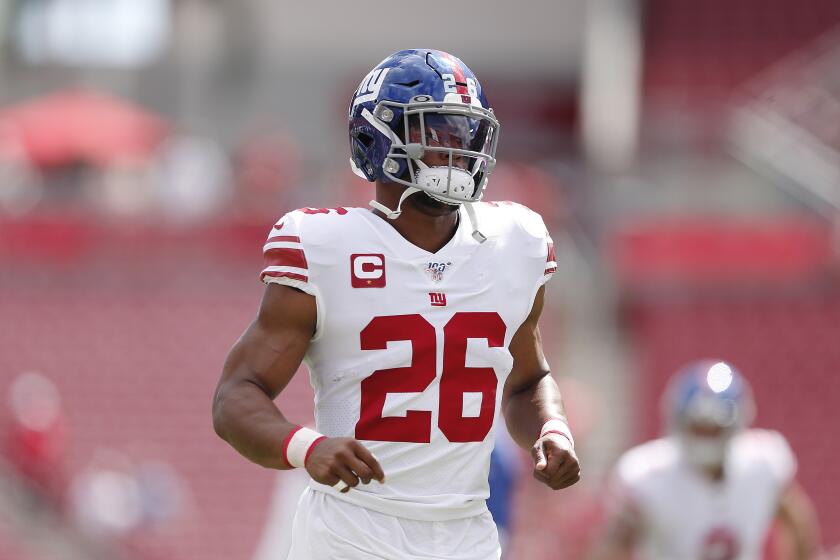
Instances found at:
x=419 y=324
x=711 y=489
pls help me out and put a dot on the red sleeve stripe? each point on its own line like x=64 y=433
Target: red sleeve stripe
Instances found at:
x=286 y=441
x=291 y=275
x=550 y=270
x=551 y=256
x=279 y=238
x=285 y=256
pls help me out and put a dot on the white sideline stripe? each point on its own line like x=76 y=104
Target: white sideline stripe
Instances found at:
x=292 y=269
x=282 y=245
x=551 y=264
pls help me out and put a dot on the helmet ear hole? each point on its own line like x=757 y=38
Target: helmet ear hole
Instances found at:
x=360 y=147
x=365 y=139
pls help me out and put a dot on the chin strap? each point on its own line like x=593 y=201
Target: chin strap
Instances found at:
x=394 y=214
x=477 y=235
x=468 y=206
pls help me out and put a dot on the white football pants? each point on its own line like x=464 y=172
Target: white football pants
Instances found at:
x=326 y=528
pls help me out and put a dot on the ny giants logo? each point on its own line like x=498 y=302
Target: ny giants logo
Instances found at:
x=367 y=270
x=368 y=90
x=437 y=299
x=720 y=543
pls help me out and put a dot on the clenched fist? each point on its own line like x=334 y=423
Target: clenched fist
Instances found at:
x=555 y=461
x=343 y=459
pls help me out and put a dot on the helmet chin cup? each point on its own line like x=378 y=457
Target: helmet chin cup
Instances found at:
x=447 y=184
x=704 y=452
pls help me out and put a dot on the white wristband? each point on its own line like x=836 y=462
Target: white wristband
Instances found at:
x=557 y=426
x=298 y=444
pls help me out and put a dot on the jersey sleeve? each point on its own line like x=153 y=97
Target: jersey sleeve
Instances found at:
x=619 y=495
x=779 y=457
x=284 y=255
x=623 y=484
x=638 y=477
x=550 y=260
x=622 y=504
x=535 y=227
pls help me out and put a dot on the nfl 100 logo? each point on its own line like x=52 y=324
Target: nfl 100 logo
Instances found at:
x=435 y=270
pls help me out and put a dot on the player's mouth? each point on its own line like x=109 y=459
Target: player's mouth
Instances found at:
x=424 y=202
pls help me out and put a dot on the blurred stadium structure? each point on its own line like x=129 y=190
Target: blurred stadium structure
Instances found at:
x=687 y=150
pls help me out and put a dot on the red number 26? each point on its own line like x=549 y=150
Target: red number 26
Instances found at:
x=456 y=379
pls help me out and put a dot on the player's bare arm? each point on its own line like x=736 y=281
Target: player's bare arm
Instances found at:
x=257 y=369
x=797 y=518
x=618 y=537
x=531 y=399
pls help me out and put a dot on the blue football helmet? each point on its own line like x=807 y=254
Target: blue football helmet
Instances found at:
x=417 y=103
x=709 y=392
x=705 y=405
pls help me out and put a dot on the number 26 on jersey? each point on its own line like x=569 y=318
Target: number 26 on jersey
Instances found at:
x=456 y=379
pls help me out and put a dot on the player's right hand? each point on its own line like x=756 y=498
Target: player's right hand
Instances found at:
x=343 y=459
x=555 y=461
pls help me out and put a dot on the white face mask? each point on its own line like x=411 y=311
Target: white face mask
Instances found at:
x=704 y=452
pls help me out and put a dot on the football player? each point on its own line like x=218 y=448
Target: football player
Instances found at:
x=712 y=488
x=418 y=323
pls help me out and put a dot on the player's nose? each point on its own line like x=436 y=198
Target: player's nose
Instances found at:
x=442 y=159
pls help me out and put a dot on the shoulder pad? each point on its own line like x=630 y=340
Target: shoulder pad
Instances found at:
x=646 y=460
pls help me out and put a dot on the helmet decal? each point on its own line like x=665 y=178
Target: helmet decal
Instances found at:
x=368 y=90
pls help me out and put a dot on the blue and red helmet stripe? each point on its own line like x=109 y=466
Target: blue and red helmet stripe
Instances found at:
x=458 y=72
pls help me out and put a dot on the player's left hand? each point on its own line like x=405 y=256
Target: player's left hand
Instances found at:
x=555 y=462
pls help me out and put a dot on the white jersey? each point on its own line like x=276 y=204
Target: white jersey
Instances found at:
x=410 y=353
x=686 y=516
